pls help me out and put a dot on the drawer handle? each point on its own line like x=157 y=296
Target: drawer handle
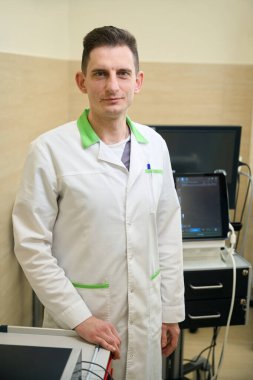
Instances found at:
x=211 y=316
x=203 y=287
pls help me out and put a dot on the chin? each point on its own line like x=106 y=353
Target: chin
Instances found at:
x=115 y=111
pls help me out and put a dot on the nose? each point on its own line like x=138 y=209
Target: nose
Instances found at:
x=112 y=84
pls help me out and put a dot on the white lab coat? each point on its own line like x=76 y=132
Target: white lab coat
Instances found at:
x=81 y=217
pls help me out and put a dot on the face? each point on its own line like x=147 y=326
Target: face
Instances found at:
x=110 y=81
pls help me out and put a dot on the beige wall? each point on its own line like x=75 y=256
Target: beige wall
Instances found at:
x=185 y=31
x=33 y=99
x=35 y=28
x=201 y=71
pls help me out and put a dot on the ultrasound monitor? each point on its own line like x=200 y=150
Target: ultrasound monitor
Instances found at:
x=204 y=208
x=204 y=149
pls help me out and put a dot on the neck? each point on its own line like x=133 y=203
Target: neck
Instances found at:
x=110 y=131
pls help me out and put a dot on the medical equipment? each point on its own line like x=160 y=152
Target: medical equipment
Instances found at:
x=204 y=149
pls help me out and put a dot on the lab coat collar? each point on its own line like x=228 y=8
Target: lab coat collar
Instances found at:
x=89 y=137
x=139 y=137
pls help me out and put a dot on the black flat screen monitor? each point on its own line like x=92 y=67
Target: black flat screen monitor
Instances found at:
x=204 y=206
x=20 y=362
x=204 y=149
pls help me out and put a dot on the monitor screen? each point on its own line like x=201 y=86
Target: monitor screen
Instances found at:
x=204 y=207
x=31 y=362
x=205 y=149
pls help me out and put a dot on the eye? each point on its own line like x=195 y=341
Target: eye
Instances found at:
x=124 y=74
x=99 y=74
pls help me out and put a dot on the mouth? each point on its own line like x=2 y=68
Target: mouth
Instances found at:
x=111 y=99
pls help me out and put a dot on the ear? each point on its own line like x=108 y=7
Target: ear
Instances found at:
x=80 y=81
x=139 y=81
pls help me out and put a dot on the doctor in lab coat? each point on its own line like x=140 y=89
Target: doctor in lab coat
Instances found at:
x=97 y=220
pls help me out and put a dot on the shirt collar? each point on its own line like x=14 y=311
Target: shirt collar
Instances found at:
x=89 y=136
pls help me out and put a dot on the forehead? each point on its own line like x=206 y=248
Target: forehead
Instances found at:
x=111 y=57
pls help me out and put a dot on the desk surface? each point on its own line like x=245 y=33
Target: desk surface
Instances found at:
x=211 y=259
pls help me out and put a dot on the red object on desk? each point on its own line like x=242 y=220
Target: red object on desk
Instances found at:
x=109 y=369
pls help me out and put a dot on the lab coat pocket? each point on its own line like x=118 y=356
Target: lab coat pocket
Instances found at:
x=155 y=304
x=154 y=185
x=96 y=297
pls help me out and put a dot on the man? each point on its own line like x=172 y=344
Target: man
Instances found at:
x=97 y=220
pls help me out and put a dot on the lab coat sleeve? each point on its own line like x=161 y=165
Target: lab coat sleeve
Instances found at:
x=170 y=247
x=34 y=215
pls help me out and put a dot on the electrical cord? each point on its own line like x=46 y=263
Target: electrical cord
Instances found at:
x=236 y=195
x=247 y=217
x=244 y=164
x=199 y=355
x=247 y=191
x=231 y=252
x=98 y=365
x=93 y=373
x=206 y=368
x=240 y=163
x=210 y=370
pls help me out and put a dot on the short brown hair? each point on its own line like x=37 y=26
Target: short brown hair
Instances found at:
x=108 y=36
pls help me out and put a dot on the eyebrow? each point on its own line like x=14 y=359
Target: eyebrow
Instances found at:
x=125 y=69
x=104 y=69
